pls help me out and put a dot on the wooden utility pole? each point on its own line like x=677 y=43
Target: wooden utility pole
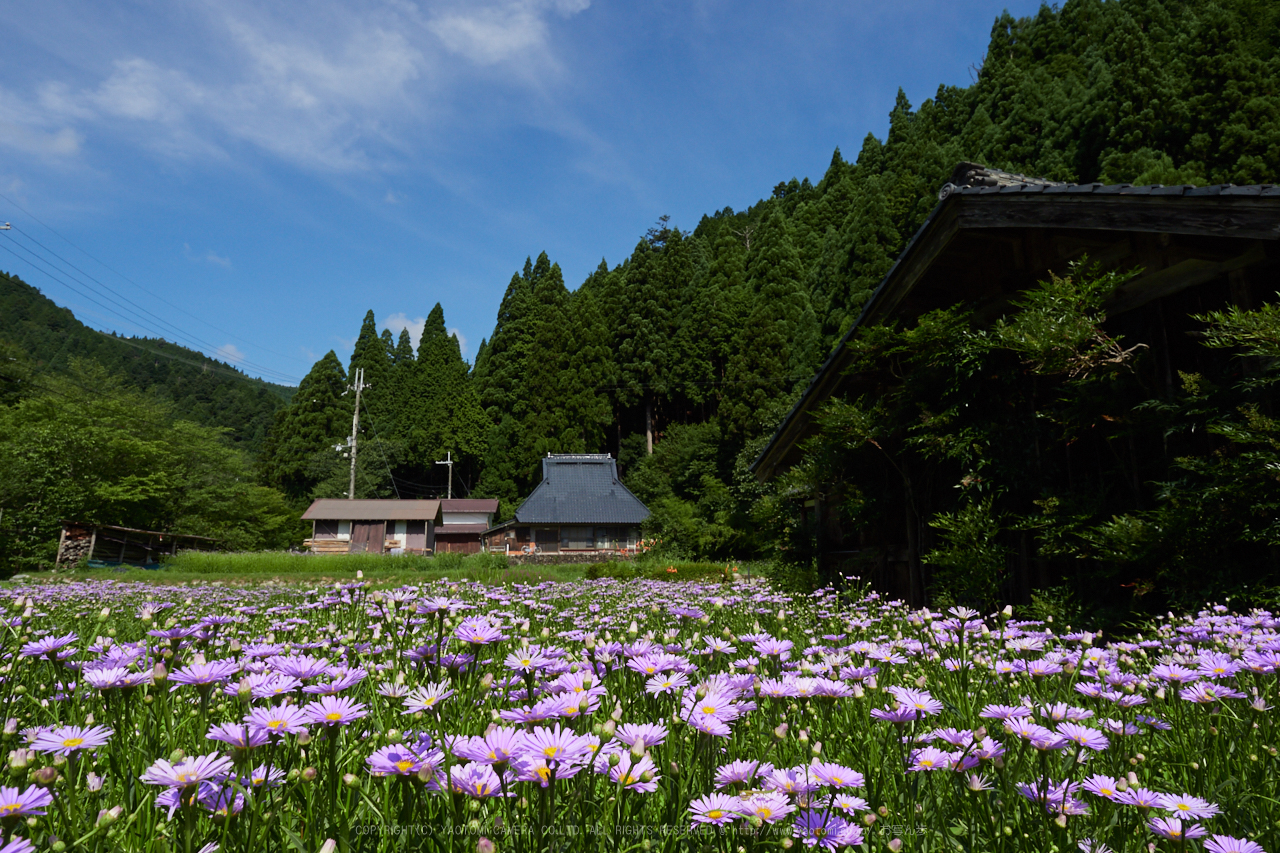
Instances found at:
x=355 y=428
x=448 y=456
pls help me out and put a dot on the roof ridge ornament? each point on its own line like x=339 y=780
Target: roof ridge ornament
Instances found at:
x=977 y=175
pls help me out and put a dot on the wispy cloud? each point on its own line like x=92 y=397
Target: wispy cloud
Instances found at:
x=230 y=353
x=209 y=256
x=345 y=89
x=24 y=128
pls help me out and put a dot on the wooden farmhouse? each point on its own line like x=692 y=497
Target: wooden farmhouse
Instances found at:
x=579 y=507
x=373 y=526
x=465 y=519
x=993 y=234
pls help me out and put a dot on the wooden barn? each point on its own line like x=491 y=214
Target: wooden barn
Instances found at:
x=993 y=235
x=341 y=526
x=579 y=507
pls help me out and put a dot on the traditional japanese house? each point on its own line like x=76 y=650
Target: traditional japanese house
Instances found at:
x=465 y=519
x=373 y=526
x=993 y=235
x=580 y=506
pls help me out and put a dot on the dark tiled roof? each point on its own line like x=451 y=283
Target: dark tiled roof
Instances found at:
x=581 y=489
x=976 y=179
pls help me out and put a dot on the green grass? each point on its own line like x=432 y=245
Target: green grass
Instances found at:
x=277 y=566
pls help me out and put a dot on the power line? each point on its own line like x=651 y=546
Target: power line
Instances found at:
x=192 y=341
x=140 y=287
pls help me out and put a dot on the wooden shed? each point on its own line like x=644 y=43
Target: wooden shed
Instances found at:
x=465 y=519
x=342 y=526
x=100 y=545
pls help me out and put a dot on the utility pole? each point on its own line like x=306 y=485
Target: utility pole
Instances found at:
x=449 y=461
x=355 y=428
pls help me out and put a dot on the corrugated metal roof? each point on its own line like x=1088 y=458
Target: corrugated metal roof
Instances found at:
x=581 y=489
x=333 y=509
x=469 y=504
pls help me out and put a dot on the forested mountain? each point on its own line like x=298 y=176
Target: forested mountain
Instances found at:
x=199 y=388
x=682 y=358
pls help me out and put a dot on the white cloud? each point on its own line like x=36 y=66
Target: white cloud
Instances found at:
x=399 y=321
x=393 y=197
x=462 y=340
x=25 y=128
x=209 y=257
x=230 y=353
x=342 y=88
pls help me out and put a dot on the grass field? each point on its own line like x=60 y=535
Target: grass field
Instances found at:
x=247 y=569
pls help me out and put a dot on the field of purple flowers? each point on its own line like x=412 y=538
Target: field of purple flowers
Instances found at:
x=619 y=716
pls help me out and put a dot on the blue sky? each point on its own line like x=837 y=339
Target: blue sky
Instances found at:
x=249 y=177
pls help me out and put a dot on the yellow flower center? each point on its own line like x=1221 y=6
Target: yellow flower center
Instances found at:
x=404 y=765
x=333 y=715
x=708 y=709
x=765 y=812
x=9 y=808
x=73 y=741
x=550 y=751
x=715 y=814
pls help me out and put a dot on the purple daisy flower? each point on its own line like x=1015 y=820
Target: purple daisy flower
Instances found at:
x=644 y=734
x=1142 y=798
x=279 y=720
x=1174 y=829
x=717 y=809
x=1216 y=844
x=1186 y=806
x=824 y=829
x=204 y=674
x=920 y=700
x=497 y=747
x=189 y=772
x=476 y=780
x=334 y=711
x=49 y=647
x=32 y=801
x=630 y=773
x=1084 y=736
x=1101 y=786
x=394 y=760
x=835 y=775
x=770 y=807
x=66 y=740
x=427 y=697
x=478 y=631
x=238 y=735
x=739 y=773
x=22 y=845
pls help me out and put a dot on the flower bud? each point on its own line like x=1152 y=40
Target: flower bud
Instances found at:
x=484 y=845
x=161 y=673
x=45 y=777
x=330 y=845
x=309 y=774
x=351 y=780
